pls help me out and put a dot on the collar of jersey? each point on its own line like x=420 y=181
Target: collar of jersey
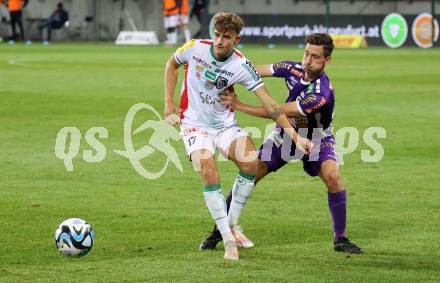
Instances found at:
x=215 y=58
x=303 y=82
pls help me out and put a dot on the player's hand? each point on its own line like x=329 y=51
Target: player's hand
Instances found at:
x=304 y=145
x=171 y=116
x=228 y=97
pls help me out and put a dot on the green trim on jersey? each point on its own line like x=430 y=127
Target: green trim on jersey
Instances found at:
x=255 y=85
x=215 y=57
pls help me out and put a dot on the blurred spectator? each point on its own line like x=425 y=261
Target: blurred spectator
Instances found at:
x=57 y=20
x=176 y=17
x=4 y=19
x=15 y=8
x=184 y=19
x=200 y=10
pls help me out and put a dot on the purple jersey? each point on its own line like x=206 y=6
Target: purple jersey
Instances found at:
x=315 y=99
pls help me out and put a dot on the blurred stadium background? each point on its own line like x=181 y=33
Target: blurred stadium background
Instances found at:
x=267 y=21
x=149 y=230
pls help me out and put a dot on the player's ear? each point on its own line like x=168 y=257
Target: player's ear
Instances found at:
x=237 y=40
x=328 y=60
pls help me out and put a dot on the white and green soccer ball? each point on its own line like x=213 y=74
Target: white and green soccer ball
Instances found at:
x=74 y=237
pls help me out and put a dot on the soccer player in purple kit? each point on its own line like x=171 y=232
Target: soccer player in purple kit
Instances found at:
x=309 y=107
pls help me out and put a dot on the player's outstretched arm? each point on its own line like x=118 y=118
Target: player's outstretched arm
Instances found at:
x=264 y=70
x=171 y=75
x=291 y=110
x=276 y=113
x=229 y=98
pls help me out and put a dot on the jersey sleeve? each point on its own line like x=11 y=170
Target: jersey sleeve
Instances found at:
x=249 y=77
x=183 y=53
x=314 y=99
x=283 y=68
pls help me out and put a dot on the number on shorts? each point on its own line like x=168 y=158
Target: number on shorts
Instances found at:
x=191 y=141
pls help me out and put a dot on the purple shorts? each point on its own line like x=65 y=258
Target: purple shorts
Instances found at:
x=276 y=155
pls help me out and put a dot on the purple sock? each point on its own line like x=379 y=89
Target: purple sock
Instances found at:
x=337 y=206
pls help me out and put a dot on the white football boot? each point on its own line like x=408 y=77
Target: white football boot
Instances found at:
x=242 y=240
x=231 y=252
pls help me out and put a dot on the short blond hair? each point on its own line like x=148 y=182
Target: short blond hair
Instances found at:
x=226 y=21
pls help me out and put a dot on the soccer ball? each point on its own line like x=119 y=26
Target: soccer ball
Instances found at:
x=74 y=237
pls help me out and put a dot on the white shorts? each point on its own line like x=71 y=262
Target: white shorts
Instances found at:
x=175 y=21
x=210 y=139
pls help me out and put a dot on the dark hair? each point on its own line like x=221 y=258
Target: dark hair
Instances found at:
x=225 y=21
x=321 y=39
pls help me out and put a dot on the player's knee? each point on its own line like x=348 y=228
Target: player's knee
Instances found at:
x=248 y=163
x=249 y=167
x=333 y=182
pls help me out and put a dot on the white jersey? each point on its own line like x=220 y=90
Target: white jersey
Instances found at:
x=205 y=78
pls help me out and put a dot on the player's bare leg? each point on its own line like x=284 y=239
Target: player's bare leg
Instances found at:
x=204 y=161
x=329 y=174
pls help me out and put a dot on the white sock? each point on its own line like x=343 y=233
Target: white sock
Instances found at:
x=187 y=34
x=215 y=201
x=243 y=186
x=172 y=37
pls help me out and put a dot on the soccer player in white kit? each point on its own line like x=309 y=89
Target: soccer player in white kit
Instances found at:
x=211 y=66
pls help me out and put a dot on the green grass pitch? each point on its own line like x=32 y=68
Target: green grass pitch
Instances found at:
x=149 y=230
